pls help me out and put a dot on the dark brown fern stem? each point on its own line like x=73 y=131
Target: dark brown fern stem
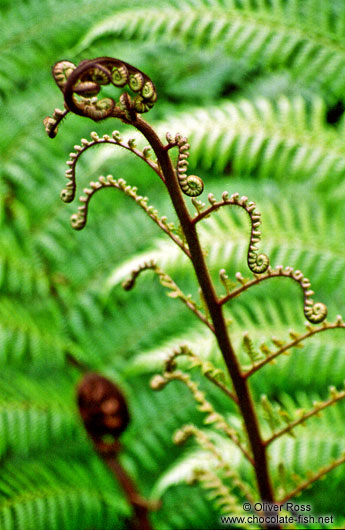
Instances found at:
x=240 y=383
x=140 y=519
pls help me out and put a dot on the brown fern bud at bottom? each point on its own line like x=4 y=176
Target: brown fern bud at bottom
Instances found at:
x=103 y=410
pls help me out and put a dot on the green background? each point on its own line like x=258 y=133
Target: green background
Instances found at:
x=258 y=86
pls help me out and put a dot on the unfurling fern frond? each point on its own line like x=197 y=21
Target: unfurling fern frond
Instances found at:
x=286 y=139
x=81 y=84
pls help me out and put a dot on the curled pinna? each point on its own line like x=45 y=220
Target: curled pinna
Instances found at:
x=81 y=85
x=257 y=263
x=315 y=312
x=191 y=185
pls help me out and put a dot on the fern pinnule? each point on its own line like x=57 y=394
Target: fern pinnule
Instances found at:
x=265 y=36
x=35 y=414
x=17 y=30
x=174 y=290
x=318 y=407
x=45 y=491
x=314 y=312
x=37 y=329
x=158 y=382
x=207 y=443
x=219 y=492
x=68 y=193
x=313 y=477
x=190 y=185
x=258 y=263
x=296 y=341
x=249 y=348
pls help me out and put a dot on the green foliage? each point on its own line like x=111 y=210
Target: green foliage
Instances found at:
x=44 y=493
x=258 y=88
x=306 y=38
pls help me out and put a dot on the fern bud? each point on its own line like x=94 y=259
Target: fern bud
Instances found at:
x=333 y=392
x=182 y=435
x=158 y=382
x=103 y=409
x=240 y=278
x=191 y=185
x=315 y=313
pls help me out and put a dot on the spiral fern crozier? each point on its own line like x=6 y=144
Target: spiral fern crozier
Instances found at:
x=81 y=85
x=191 y=185
x=258 y=263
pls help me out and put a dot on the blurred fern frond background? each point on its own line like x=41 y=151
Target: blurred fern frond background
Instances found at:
x=258 y=86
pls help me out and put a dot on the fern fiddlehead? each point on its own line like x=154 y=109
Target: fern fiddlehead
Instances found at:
x=78 y=220
x=258 y=263
x=81 y=84
x=68 y=193
x=61 y=71
x=191 y=185
x=104 y=412
x=103 y=409
x=51 y=123
x=315 y=312
x=89 y=75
